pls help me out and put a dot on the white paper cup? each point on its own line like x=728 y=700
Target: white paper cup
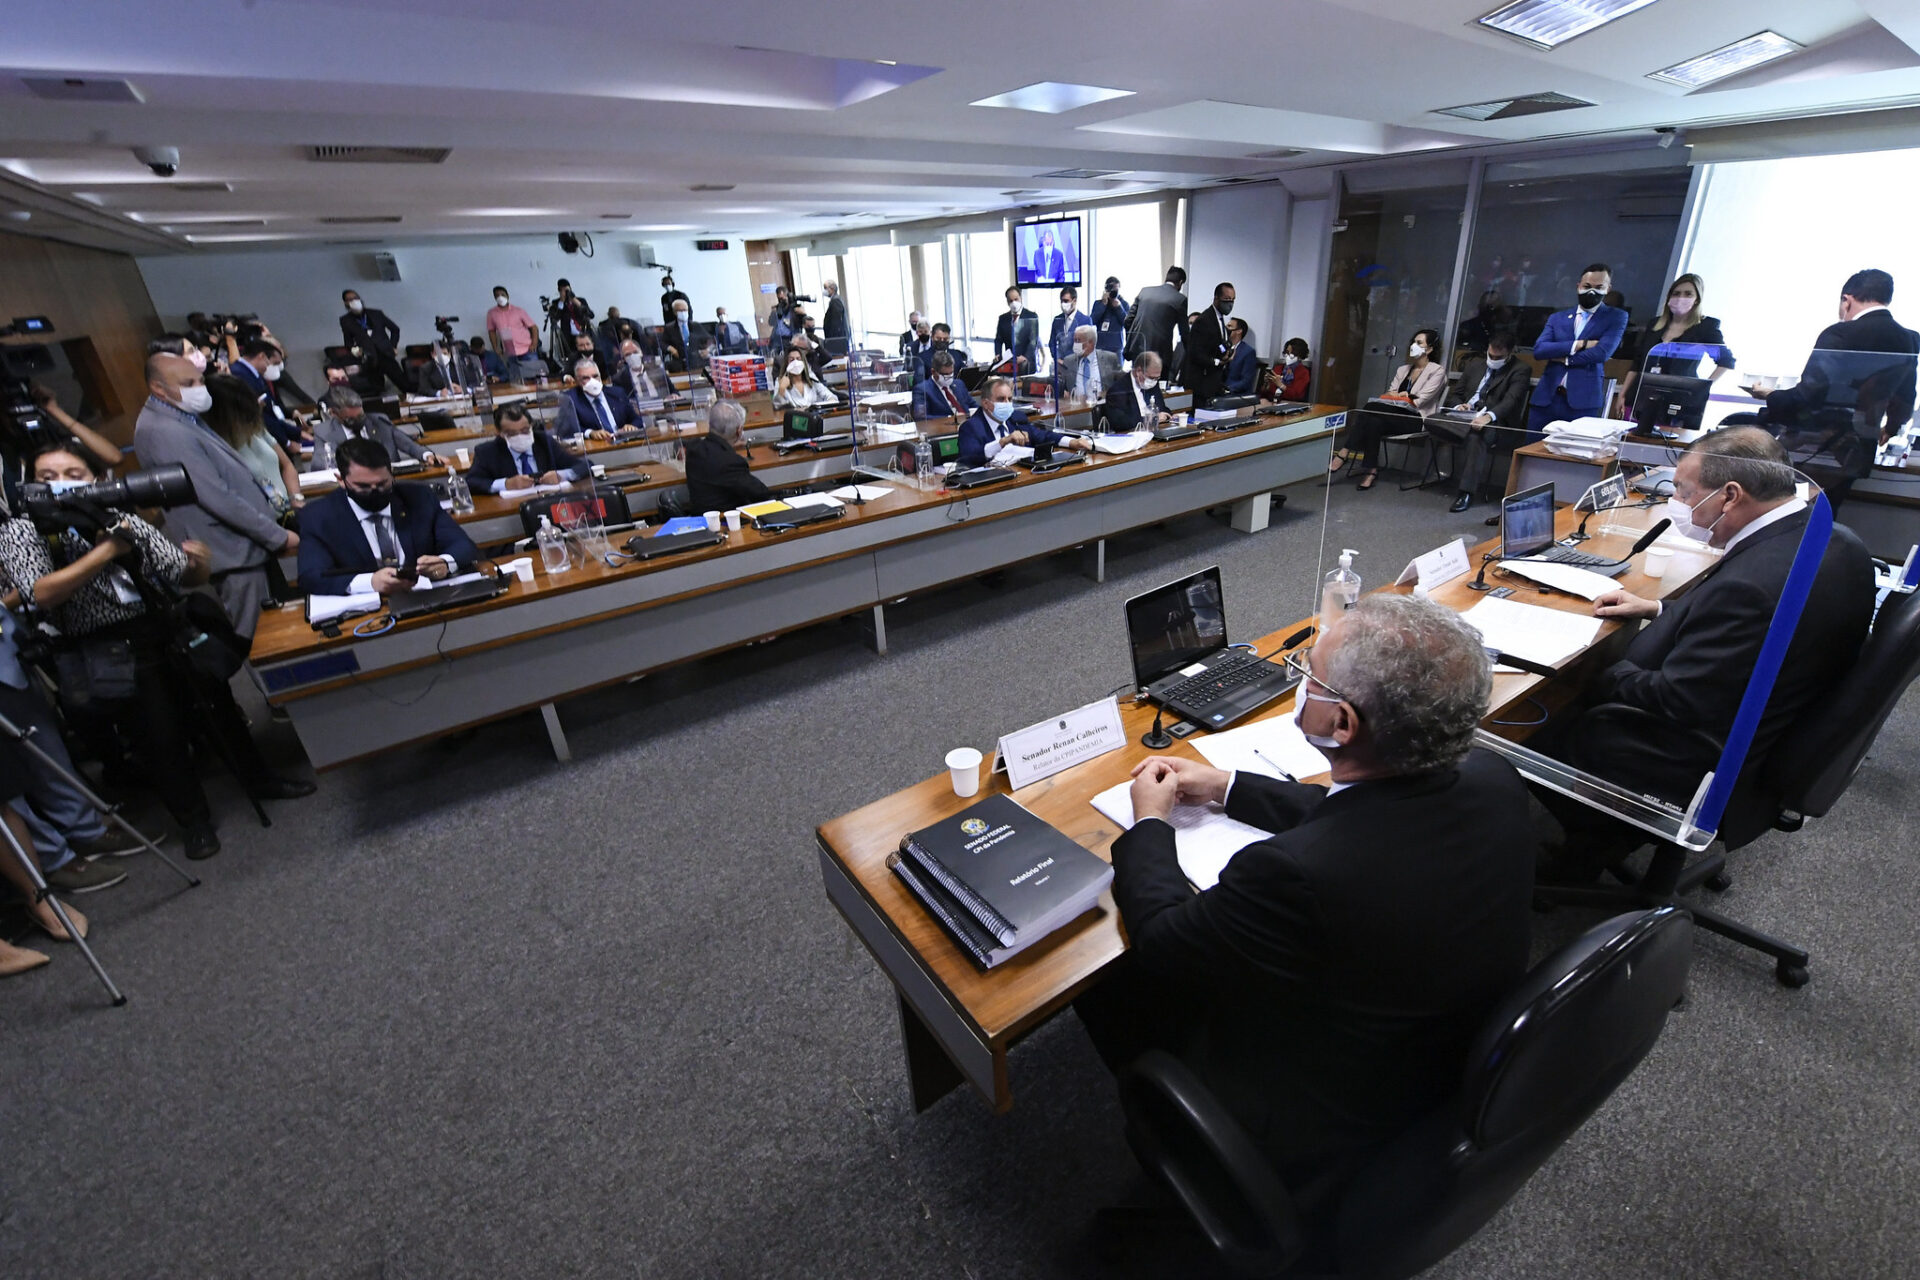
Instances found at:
x=964 y=764
x=733 y=520
x=463 y=457
x=713 y=521
x=1658 y=558
x=523 y=570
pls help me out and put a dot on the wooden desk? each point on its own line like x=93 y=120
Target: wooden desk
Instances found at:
x=594 y=625
x=1535 y=464
x=957 y=1022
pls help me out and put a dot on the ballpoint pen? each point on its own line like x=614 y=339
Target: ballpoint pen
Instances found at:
x=1276 y=768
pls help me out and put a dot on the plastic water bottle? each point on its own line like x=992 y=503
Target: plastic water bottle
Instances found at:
x=322 y=455
x=457 y=490
x=1340 y=592
x=923 y=462
x=553 y=547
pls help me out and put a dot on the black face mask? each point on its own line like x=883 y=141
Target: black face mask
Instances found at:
x=372 y=500
x=939 y=344
x=355 y=425
x=1224 y=308
x=1590 y=298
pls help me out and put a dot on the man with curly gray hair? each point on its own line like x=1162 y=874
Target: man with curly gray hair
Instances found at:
x=1327 y=987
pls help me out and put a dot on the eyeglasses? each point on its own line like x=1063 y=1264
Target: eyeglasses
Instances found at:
x=1296 y=662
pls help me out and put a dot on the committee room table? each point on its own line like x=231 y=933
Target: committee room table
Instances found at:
x=351 y=696
x=958 y=1022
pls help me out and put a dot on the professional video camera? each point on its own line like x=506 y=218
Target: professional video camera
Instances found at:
x=801 y=297
x=20 y=416
x=445 y=325
x=56 y=509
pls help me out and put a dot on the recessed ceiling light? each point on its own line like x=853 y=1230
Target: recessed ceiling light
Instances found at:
x=1080 y=173
x=1052 y=97
x=505 y=213
x=240 y=239
x=1547 y=24
x=1727 y=60
x=1531 y=104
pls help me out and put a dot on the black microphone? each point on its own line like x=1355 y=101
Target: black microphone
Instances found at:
x=1500 y=659
x=1480 y=583
x=1156 y=738
x=1581 y=534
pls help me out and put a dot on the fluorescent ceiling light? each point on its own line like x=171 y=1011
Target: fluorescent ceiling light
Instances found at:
x=1549 y=23
x=1053 y=97
x=663 y=226
x=1728 y=60
x=239 y=239
x=252 y=218
x=505 y=213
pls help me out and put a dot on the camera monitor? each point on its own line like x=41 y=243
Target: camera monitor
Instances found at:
x=1047 y=253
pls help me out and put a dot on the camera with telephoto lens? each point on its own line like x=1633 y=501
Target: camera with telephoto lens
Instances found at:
x=54 y=509
x=801 y=297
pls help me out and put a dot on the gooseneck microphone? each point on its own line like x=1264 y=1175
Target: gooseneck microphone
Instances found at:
x=1480 y=583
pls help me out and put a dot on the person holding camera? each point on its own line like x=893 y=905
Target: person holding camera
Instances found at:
x=1109 y=317
x=117 y=658
x=24 y=433
x=571 y=312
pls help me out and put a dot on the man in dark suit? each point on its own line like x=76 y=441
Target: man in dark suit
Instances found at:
x=1327 y=989
x=1109 y=317
x=592 y=406
x=940 y=339
x=371 y=534
x=1496 y=394
x=450 y=370
x=997 y=423
x=729 y=336
x=1158 y=313
x=1240 y=372
x=259 y=366
x=1576 y=345
x=834 y=324
x=919 y=333
x=631 y=375
x=1018 y=331
x=520 y=456
x=1060 y=340
x=940 y=394
x=373 y=339
x=1204 y=371
x=1137 y=402
x=1688 y=669
x=680 y=339
x=719 y=479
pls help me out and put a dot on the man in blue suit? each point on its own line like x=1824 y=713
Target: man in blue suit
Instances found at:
x=374 y=535
x=1576 y=346
x=593 y=406
x=1060 y=342
x=996 y=423
x=1109 y=317
x=941 y=340
x=940 y=394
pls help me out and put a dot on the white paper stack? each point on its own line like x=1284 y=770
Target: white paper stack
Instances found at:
x=1204 y=838
x=1531 y=631
x=1586 y=438
x=1122 y=444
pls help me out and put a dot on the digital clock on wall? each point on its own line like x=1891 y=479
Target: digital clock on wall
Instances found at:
x=709 y=244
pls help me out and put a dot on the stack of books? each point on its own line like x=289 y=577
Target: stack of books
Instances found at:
x=999 y=879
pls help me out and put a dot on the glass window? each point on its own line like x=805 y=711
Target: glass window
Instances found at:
x=876 y=302
x=1125 y=242
x=988 y=275
x=1391 y=276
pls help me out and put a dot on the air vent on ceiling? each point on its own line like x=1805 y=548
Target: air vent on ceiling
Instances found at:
x=198 y=188
x=75 y=89
x=358 y=219
x=1278 y=153
x=616 y=217
x=1080 y=173
x=711 y=186
x=1531 y=104
x=200 y=224
x=379 y=155
x=1022 y=191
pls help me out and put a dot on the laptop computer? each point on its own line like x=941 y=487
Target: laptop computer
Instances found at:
x=974 y=477
x=1526 y=533
x=412 y=604
x=665 y=544
x=1044 y=458
x=1178 y=635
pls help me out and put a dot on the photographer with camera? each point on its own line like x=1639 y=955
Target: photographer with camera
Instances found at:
x=370 y=335
x=110 y=583
x=229 y=513
x=570 y=313
x=31 y=419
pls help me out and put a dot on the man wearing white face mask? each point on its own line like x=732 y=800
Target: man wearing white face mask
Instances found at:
x=521 y=456
x=230 y=512
x=373 y=338
x=1089 y=370
x=940 y=394
x=1328 y=986
x=593 y=406
x=1496 y=385
x=680 y=337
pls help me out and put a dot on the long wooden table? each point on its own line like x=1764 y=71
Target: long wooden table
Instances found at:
x=958 y=1022
x=594 y=625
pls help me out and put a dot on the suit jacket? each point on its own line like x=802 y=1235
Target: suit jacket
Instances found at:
x=1023 y=340
x=976 y=435
x=1505 y=396
x=576 y=412
x=1205 y=371
x=1584 y=375
x=1242 y=372
x=1159 y=312
x=1060 y=338
x=370 y=331
x=911 y=346
x=1050 y=264
x=1123 y=411
x=1429 y=385
x=1704 y=332
x=834 y=324
x=329 y=430
x=492 y=461
x=1344 y=964
x=925 y=361
x=928 y=402
x=718 y=479
x=334 y=550
x=463 y=373
x=1887 y=407
x=732 y=340
x=230 y=511
x=1111 y=321
x=1689 y=667
x=1106 y=365
x=1290 y=382
x=283 y=428
x=674 y=349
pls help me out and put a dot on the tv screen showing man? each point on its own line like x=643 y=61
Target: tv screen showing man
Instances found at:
x=1047 y=254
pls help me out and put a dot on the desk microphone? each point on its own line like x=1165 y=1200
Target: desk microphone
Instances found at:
x=1499 y=659
x=1480 y=583
x=1581 y=534
x=1647 y=539
x=1156 y=738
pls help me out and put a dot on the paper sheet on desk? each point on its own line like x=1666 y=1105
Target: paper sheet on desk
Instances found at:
x=1010 y=454
x=864 y=492
x=813 y=500
x=314 y=479
x=1571 y=579
x=1204 y=838
x=1122 y=444
x=1266 y=747
x=1530 y=631
x=521 y=495
x=324 y=609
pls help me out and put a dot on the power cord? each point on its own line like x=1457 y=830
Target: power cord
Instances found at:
x=1527 y=724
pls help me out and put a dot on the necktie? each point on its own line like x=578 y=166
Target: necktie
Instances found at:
x=526 y=462
x=1086 y=377
x=383 y=531
x=606 y=419
x=953 y=401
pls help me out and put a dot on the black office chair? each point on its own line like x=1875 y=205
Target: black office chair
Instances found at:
x=1803 y=776
x=1547 y=1058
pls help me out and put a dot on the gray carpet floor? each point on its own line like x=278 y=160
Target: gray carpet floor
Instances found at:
x=469 y=1012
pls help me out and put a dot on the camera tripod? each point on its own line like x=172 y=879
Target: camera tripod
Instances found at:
x=111 y=812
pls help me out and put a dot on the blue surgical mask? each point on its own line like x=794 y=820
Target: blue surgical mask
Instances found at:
x=1002 y=410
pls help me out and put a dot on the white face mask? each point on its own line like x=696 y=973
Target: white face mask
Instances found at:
x=722 y=318
x=796 y=367
x=679 y=313
x=197 y=359
x=521 y=443
x=196 y=399
x=1680 y=305
x=1066 y=308
x=1415 y=351
x=1013 y=305
x=356 y=306
x=1289 y=359
x=499 y=299
x=1501 y=363
x=1150 y=384
x=273 y=372
x=943 y=380
x=593 y=387
x=1320 y=740
x=635 y=361
x=1681 y=514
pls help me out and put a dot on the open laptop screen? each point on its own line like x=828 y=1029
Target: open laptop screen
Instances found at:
x=1177 y=624
x=1526 y=523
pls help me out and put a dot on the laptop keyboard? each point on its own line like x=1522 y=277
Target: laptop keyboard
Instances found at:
x=1216 y=683
x=1567 y=555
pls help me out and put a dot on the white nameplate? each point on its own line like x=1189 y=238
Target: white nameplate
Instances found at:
x=1442 y=564
x=1042 y=750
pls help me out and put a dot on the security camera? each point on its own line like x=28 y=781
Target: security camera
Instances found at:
x=164 y=161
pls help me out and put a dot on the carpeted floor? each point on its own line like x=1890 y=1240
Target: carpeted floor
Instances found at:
x=468 y=1012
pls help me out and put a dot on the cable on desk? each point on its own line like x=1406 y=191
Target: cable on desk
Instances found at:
x=1539 y=706
x=387 y=623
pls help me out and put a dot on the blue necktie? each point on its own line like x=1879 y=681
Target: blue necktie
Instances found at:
x=606 y=420
x=526 y=462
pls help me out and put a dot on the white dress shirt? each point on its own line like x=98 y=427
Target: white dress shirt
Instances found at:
x=362 y=583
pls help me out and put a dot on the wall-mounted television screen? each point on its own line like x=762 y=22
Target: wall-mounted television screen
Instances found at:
x=1047 y=255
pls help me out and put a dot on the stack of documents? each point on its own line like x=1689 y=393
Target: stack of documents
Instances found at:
x=1530 y=631
x=1204 y=837
x=314 y=479
x=1122 y=443
x=864 y=492
x=813 y=500
x=1588 y=438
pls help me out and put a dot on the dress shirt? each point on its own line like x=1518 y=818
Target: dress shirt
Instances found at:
x=1791 y=507
x=370 y=522
x=1088 y=384
x=603 y=410
x=1473 y=401
x=1140 y=398
x=953 y=401
x=524 y=464
x=1580 y=317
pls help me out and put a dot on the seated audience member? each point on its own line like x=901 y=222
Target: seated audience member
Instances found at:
x=1329 y=987
x=584 y=348
x=730 y=338
x=491 y=365
x=450 y=370
x=631 y=375
x=1290 y=377
x=592 y=406
x=1090 y=370
x=118 y=670
x=234 y=416
x=259 y=366
x=14 y=959
x=940 y=338
x=680 y=337
x=997 y=423
x=1242 y=365
x=799 y=386
x=521 y=456
x=1688 y=669
x=1496 y=385
x=718 y=478
x=346 y=418
x=615 y=329
x=919 y=333
x=370 y=532
x=1420 y=383
x=1137 y=402
x=940 y=394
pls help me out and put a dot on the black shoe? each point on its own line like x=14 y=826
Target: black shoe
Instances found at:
x=273 y=788
x=1491 y=520
x=202 y=841
x=84 y=876
x=1461 y=502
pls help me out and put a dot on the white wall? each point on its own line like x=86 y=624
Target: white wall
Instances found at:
x=1240 y=235
x=1304 y=308
x=297 y=290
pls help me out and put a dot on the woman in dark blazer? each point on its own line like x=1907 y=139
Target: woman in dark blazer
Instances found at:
x=1682 y=319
